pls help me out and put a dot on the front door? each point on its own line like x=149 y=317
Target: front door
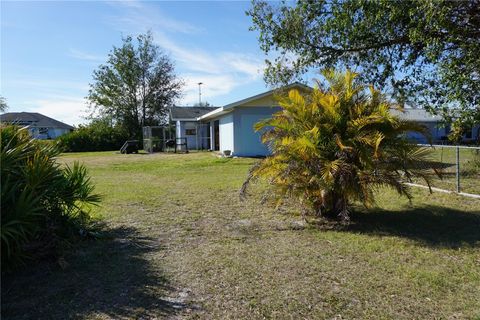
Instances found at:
x=216 y=134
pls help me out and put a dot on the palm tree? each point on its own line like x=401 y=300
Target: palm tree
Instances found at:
x=336 y=146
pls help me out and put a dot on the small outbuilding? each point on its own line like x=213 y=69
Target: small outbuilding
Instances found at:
x=196 y=133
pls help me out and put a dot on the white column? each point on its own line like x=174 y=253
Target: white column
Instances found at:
x=212 y=136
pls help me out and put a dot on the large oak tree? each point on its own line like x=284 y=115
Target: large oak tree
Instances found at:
x=135 y=86
x=426 y=52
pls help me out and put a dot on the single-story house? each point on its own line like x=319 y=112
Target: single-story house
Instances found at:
x=231 y=127
x=39 y=125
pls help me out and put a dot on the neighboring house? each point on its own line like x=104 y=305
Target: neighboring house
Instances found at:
x=39 y=126
x=231 y=127
x=438 y=131
x=433 y=123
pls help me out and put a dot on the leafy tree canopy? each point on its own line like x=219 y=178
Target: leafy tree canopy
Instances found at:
x=425 y=52
x=136 y=85
x=3 y=104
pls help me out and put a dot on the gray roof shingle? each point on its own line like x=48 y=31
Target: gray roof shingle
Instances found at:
x=419 y=115
x=34 y=119
x=189 y=112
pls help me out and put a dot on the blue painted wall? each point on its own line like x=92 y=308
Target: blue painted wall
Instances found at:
x=438 y=133
x=248 y=142
x=181 y=133
x=51 y=133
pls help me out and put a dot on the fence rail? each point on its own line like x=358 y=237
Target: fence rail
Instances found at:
x=460 y=168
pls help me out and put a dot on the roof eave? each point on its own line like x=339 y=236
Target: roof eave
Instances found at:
x=213 y=114
x=184 y=119
x=265 y=94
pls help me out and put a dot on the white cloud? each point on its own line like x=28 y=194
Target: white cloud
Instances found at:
x=243 y=63
x=144 y=17
x=70 y=110
x=221 y=72
x=195 y=59
x=192 y=59
x=78 y=54
x=49 y=86
x=126 y=3
x=212 y=86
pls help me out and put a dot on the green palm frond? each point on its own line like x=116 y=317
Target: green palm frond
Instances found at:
x=332 y=147
x=36 y=191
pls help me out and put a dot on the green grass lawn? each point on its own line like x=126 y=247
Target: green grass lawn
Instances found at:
x=178 y=243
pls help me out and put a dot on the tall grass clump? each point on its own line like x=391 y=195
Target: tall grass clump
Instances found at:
x=42 y=202
x=335 y=146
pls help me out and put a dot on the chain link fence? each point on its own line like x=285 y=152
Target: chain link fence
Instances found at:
x=460 y=168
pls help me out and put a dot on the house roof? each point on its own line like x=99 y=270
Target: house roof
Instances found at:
x=205 y=113
x=189 y=113
x=227 y=108
x=34 y=119
x=419 y=115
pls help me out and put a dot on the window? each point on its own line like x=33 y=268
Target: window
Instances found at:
x=43 y=130
x=190 y=132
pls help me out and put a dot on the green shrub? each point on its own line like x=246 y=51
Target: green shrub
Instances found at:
x=41 y=200
x=97 y=136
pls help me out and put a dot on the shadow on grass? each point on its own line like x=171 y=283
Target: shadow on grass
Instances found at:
x=110 y=277
x=429 y=225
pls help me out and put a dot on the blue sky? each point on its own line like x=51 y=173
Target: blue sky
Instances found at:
x=50 y=49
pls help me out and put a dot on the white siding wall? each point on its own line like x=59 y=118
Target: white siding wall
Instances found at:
x=226 y=133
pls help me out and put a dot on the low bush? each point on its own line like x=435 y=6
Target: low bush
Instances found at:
x=42 y=202
x=97 y=136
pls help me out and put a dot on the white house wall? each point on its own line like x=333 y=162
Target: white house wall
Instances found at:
x=226 y=133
